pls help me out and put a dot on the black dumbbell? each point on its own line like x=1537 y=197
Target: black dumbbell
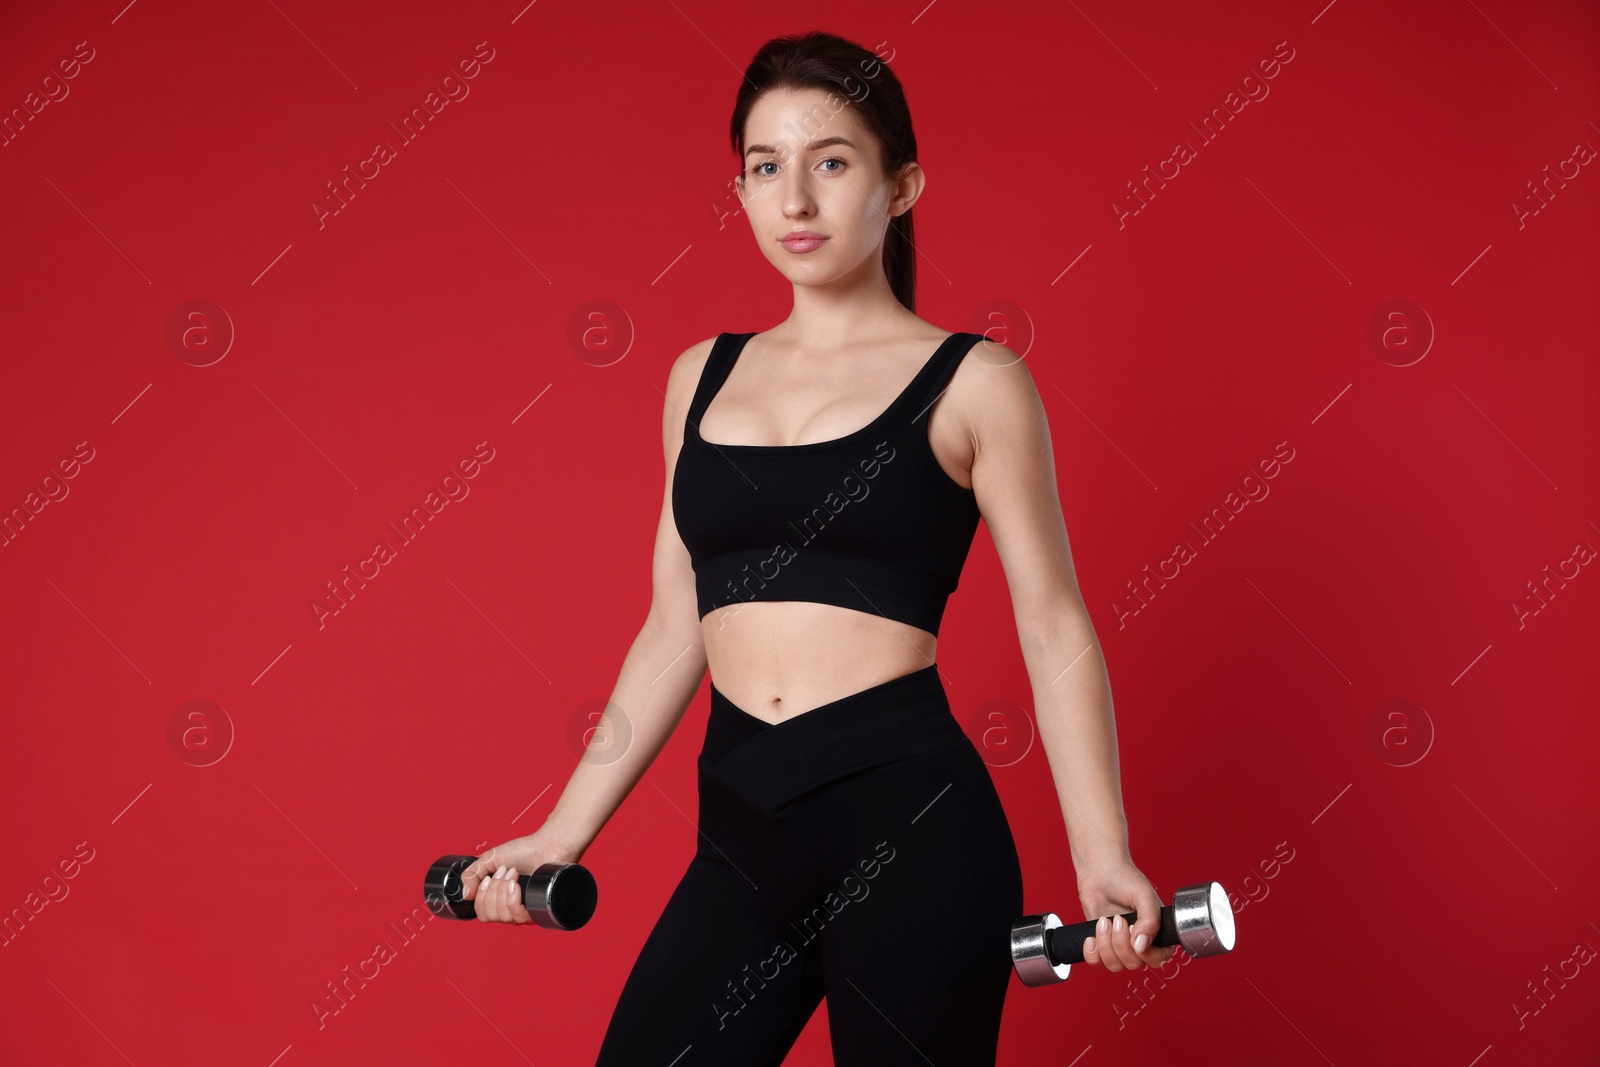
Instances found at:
x=559 y=896
x=1199 y=918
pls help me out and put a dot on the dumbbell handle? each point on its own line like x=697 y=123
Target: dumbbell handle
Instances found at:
x=1066 y=942
x=558 y=896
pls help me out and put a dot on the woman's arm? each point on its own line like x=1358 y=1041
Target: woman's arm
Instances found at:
x=1014 y=479
x=660 y=674
x=662 y=669
x=659 y=677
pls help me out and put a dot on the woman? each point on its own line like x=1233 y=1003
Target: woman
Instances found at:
x=824 y=480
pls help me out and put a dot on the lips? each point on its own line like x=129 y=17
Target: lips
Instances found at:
x=802 y=241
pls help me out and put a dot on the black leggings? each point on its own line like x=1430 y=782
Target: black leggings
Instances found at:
x=857 y=851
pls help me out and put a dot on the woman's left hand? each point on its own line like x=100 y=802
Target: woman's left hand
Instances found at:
x=1106 y=891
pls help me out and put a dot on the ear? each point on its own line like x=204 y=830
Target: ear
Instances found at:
x=907 y=188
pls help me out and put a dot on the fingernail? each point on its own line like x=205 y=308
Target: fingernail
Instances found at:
x=1088 y=945
x=1140 y=942
x=1100 y=927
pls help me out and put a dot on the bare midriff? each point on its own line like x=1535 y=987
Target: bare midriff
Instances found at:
x=781 y=658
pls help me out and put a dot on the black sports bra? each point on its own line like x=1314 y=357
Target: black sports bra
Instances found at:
x=868 y=521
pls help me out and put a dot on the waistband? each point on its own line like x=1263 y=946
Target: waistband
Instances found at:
x=900 y=719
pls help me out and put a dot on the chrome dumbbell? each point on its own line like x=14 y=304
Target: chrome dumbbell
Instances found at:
x=1200 y=919
x=559 y=896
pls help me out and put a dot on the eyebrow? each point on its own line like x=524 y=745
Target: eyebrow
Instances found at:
x=812 y=147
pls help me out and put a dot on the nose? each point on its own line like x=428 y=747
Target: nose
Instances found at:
x=798 y=201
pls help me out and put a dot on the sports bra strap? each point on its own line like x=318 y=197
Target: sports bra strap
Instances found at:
x=933 y=378
x=713 y=374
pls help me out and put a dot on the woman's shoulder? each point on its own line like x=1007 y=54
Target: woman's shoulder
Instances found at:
x=692 y=360
x=684 y=374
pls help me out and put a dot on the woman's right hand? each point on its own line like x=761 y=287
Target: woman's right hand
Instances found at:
x=491 y=881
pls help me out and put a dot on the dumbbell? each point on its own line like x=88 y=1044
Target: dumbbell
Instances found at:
x=1199 y=918
x=559 y=896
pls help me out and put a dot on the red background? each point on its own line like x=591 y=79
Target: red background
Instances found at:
x=1394 y=909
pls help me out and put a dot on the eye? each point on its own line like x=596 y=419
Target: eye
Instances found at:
x=756 y=169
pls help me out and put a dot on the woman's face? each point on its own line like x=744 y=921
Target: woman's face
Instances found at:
x=809 y=167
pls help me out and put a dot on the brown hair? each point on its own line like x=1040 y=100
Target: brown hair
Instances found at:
x=842 y=68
